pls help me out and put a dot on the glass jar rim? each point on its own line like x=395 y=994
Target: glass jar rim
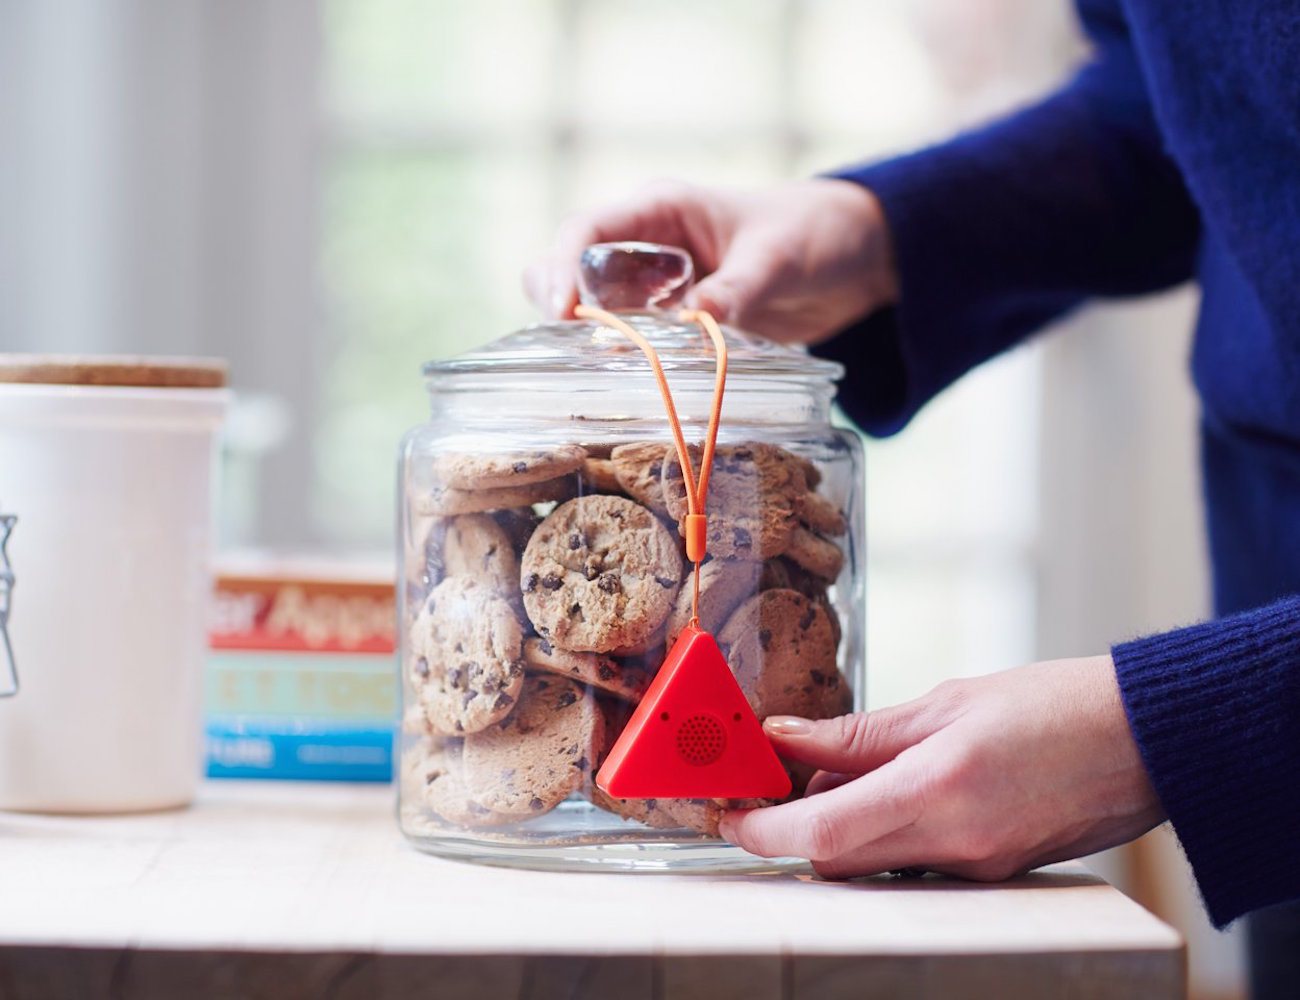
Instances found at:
x=585 y=346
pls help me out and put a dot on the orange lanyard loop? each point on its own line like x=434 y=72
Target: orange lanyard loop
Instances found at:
x=697 y=490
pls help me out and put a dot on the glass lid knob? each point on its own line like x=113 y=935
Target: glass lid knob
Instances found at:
x=633 y=276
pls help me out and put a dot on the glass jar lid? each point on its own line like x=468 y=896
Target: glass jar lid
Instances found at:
x=642 y=282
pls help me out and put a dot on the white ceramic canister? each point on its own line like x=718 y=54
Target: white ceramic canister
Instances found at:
x=106 y=463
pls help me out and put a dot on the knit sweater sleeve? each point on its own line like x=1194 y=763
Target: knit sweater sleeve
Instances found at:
x=1215 y=710
x=1000 y=230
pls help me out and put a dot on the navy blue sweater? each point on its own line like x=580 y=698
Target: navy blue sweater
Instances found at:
x=1173 y=154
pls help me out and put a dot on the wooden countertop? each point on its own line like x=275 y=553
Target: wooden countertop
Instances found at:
x=285 y=890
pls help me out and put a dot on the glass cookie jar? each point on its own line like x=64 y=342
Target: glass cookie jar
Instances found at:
x=545 y=575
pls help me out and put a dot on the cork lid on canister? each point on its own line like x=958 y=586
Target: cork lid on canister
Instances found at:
x=153 y=372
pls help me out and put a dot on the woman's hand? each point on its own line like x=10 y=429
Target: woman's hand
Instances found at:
x=981 y=778
x=797 y=262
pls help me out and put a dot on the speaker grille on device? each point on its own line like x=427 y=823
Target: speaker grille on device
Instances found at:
x=701 y=740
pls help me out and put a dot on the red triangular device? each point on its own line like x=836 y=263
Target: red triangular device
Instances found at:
x=693 y=735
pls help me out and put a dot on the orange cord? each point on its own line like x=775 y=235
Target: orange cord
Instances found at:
x=697 y=491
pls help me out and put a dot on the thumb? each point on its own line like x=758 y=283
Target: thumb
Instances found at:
x=740 y=284
x=849 y=744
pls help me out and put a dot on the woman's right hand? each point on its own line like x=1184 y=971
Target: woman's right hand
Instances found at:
x=796 y=262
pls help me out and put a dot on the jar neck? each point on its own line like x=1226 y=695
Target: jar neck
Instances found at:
x=627 y=404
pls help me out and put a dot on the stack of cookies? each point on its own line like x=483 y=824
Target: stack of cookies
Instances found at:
x=544 y=587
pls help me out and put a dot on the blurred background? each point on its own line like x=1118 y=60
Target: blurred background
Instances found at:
x=330 y=192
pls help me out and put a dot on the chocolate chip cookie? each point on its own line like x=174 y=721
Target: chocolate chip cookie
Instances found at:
x=820 y=515
x=837 y=628
x=724 y=584
x=476 y=546
x=419 y=769
x=434 y=779
x=465 y=656
x=532 y=760
x=415 y=724
x=811 y=474
x=780 y=573
x=818 y=556
x=776 y=575
x=508 y=468
x=423 y=557
x=639 y=470
x=781 y=648
x=518 y=523
x=599 y=573
x=586 y=668
x=652 y=812
x=753 y=490
x=643 y=647
x=450 y=500
x=704 y=815
x=598 y=476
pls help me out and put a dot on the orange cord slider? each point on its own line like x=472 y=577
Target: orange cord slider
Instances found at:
x=697 y=536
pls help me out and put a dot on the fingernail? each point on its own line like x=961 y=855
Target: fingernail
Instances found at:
x=727 y=829
x=787 y=725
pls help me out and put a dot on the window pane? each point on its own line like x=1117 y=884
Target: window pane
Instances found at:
x=894 y=74
x=421 y=259
x=406 y=62
x=864 y=69
x=648 y=63
x=951 y=527
x=928 y=621
x=606 y=171
x=963 y=473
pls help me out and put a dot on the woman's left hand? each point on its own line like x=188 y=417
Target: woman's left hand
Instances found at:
x=982 y=778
